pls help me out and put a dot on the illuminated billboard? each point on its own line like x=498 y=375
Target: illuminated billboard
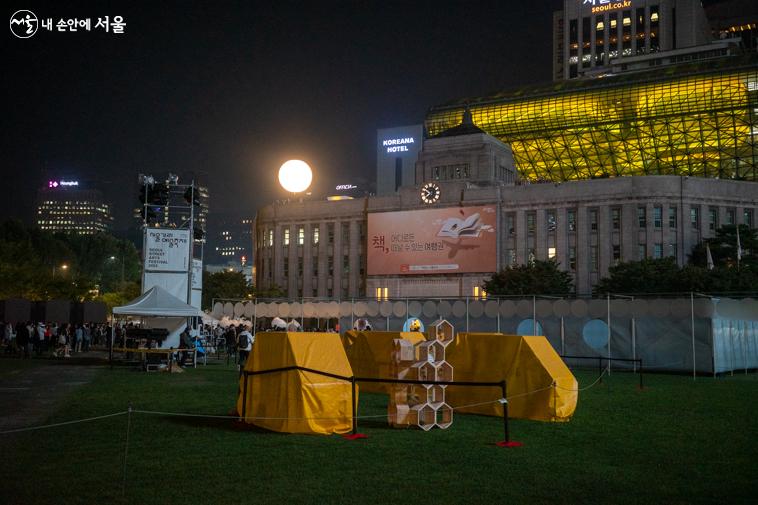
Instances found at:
x=434 y=241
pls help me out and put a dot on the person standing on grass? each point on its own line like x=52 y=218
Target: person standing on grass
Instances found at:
x=78 y=337
x=87 y=337
x=185 y=343
x=244 y=345
x=22 y=338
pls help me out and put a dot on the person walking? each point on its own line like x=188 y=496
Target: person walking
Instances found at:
x=78 y=337
x=22 y=338
x=87 y=337
x=245 y=345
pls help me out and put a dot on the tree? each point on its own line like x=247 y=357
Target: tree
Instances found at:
x=724 y=248
x=665 y=276
x=224 y=284
x=536 y=278
x=645 y=276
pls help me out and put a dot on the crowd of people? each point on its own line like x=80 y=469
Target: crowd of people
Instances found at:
x=44 y=339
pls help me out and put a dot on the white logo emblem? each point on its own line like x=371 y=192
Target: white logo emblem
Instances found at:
x=24 y=24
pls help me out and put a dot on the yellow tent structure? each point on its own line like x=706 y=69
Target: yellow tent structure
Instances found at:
x=540 y=385
x=296 y=401
x=370 y=354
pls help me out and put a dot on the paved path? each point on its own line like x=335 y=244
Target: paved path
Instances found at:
x=32 y=390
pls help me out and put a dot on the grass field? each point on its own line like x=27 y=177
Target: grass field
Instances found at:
x=674 y=442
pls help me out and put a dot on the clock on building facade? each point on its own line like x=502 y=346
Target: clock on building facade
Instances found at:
x=430 y=192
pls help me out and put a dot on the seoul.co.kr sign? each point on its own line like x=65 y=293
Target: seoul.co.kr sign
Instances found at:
x=397 y=145
x=607 y=5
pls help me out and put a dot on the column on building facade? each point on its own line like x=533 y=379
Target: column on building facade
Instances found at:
x=521 y=238
x=604 y=239
x=308 y=261
x=540 y=234
x=628 y=233
x=353 y=254
x=337 y=261
x=277 y=261
x=561 y=239
x=293 y=277
x=582 y=250
x=323 y=261
x=688 y=238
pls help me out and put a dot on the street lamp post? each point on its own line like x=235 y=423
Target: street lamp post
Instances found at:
x=63 y=267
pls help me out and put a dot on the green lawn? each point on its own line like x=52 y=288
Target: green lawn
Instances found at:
x=675 y=442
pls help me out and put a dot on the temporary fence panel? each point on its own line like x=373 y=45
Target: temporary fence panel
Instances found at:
x=540 y=385
x=296 y=401
x=370 y=355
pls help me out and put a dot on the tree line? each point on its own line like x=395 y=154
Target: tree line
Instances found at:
x=722 y=274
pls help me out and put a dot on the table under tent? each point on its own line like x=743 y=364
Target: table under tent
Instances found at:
x=160 y=319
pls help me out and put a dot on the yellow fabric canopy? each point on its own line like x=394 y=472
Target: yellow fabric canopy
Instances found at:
x=530 y=366
x=296 y=401
x=370 y=354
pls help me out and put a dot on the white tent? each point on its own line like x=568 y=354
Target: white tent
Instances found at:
x=158 y=302
x=160 y=309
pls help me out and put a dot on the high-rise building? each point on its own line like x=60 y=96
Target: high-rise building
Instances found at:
x=592 y=37
x=64 y=205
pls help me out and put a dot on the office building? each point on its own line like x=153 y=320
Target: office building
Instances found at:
x=68 y=206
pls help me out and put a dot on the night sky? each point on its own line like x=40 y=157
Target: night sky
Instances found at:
x=229 y=91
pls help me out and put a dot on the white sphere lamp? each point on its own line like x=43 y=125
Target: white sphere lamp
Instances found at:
x=295 y=176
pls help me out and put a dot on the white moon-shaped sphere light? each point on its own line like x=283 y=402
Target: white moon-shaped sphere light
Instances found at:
x=295 y=176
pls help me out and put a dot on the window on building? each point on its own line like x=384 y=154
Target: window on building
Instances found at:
x=657 y=251
x=530 y=217
x=640 y=31
x=511 y=223
x=345 y=264
x=642 y=251
x=530 y=256
x=586 y=50
x=747 y=218
x=286 y=240
x=616 y=218
x=510 y=257
x=658 y=217
x=672 y=217
x=695 y=218
x=626 y=33
x=571 y=219
x=641 y=217
x=315 y=235
x=672 y=249
x=286 y=268
x=330 y=265
x=300 y=235
x=345 y=234
x=655 y=44
x=713 y=219
x=593 y=219
x=271 y=238
x=572 y=259
x=730 y=216
x=330 y=233
x=594 y=260
x=315 y=267
x=551 y=252
x=551 y=222
x=616 y=254
x=300 y=268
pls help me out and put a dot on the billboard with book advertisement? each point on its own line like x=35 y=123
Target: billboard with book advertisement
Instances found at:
x=433 y=241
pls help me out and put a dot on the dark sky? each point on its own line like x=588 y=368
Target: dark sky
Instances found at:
x=229 y=91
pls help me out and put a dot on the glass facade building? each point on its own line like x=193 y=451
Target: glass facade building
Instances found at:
x=697 y=120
